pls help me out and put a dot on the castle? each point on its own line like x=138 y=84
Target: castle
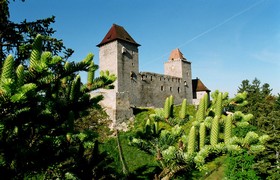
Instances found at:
x=118 y=53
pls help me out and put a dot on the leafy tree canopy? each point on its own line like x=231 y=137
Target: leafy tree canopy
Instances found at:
x=17 y=38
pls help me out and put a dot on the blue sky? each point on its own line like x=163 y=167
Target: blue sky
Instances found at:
x=226 y=41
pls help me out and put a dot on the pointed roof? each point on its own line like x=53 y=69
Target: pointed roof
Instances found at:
x=176 y=55
x=197 y=85
x=117 y=33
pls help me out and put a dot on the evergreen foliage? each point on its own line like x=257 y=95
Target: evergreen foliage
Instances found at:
x=191 y=140
x=17 y=38
x=38 y=135
x=219 y=106
x=239 y=166
x=7 y=70
x=183 y=110
x=177 y=152
x=201 y=110
x=167 y=108
x=202 y=135
x=266 y=110
x=228 y=128
x=214 y=135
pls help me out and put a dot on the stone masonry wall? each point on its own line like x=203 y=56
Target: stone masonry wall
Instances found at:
x=139 y=89
x=153 y=88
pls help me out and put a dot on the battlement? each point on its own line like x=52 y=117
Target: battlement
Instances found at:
x=119 y=54
x=149 y=76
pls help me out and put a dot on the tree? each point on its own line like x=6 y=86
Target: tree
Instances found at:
x=268 y=163
x=39 y=105
x=210 y=136
x=239 y=166
x=17 y=38
x=266 y=110
x=258 y=99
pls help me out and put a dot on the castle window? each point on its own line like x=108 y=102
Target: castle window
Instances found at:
x=151 y=78
x=131 y=75
x=178 y=89
x=132 y=64
x=160 y=78
x=161 y=88
x=171 y=88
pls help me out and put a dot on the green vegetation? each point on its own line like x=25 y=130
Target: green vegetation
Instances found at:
x=266 y=110
x=176 y=152
x=38 y=135
x=50 y=127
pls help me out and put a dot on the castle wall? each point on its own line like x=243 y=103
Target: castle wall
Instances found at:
x=108 y=56
x=199 y=95
x=181 y=68
x=127 y=64
x=119 y=58
x=173 y=68
x=152 y=90
x=118 y=53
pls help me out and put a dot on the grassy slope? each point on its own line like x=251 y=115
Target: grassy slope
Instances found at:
x=134 y=157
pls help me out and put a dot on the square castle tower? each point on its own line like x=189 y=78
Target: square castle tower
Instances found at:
x=118 y=53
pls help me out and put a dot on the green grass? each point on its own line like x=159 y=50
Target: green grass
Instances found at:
x=134 y=158
x=214 y=170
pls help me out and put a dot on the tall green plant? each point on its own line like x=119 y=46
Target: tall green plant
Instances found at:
x=40 y=104
x=228 y=128
x=177 y=152
x=202 y=135
x=167 y=108
x=191 y=140
x=206 y=101
x=8 y=68
x=183 y=110
x=201 y=110
x=171 y=104
x=214 y=135
x=219 y=106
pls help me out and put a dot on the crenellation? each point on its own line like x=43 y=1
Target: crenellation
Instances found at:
x=118 y=53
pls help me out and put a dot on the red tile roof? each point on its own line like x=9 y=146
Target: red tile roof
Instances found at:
x=197 y=85
x=176 y=55
x=117 y=33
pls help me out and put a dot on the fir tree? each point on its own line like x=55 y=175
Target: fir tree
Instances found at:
x=37 y=119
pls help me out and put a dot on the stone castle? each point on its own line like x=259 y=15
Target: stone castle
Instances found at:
x=118 y=53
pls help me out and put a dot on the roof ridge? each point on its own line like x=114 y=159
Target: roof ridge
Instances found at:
x=117 y=32
x=176 y=54
x=198 y=85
